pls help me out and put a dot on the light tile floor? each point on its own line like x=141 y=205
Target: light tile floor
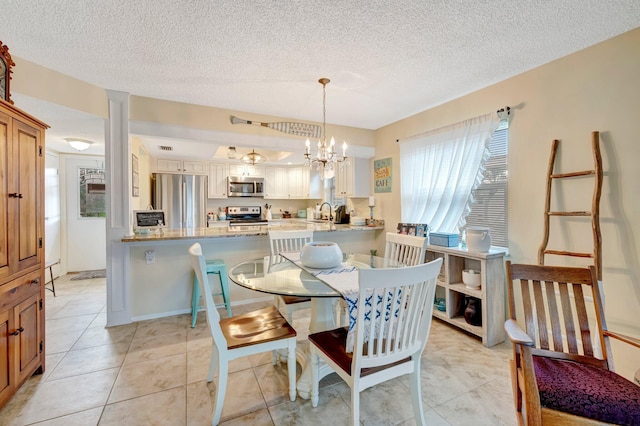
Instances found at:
x=153 y=373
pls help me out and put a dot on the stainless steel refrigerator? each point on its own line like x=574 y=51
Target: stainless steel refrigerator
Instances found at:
x=182 y=197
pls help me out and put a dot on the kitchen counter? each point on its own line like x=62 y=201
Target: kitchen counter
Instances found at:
x=224 y=230
x=159 y=275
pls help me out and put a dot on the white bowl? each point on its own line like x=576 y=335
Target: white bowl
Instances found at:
x=471 y=278
x=321 y=255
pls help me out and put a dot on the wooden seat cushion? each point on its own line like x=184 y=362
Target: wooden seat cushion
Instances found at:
x=587 y=391
x=333 y=343
x=259 y=326
x=290 y=300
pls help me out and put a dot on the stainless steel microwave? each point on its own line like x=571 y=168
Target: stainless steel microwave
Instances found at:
x=243 y=186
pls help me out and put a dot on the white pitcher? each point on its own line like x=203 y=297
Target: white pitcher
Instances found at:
x=478 y=239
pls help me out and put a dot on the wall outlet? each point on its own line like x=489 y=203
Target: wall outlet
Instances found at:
x=150 y=257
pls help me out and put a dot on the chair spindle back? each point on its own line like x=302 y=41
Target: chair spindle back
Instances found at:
x=407 y=249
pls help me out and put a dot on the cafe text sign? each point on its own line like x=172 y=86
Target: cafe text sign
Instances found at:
x=382 y=175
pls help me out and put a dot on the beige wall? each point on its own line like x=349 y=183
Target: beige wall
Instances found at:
x=594 y=89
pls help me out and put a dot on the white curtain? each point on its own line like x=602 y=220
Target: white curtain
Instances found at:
x=440 y=170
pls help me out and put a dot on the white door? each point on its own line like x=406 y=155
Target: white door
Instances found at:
x=85 y=229
x=51 y=212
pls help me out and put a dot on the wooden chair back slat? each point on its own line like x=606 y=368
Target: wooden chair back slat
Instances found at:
x=567 y=315
x=554 y=316
x=541 y=315
x=528 y=309
x=583 y=320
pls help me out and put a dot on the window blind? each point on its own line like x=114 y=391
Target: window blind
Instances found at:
x=490 y=205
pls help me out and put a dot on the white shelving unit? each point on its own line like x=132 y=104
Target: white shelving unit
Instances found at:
x=491 y=292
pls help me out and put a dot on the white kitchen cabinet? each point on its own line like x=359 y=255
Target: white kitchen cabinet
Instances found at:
x=242 y=169
x=288 y=183
x=353 y=179
x=180 y=166
x=276 y=182
x=298 y=185
x=491 y=292
x=218 y=173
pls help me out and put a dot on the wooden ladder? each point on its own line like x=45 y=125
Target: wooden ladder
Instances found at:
x=596 y=254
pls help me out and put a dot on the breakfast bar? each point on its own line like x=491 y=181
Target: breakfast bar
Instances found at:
x=160 y=275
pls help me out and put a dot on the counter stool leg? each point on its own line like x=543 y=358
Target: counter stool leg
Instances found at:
x=224 y=284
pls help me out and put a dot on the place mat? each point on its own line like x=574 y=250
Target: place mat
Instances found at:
x=342 y=278
x=87 y=275
x=345 y=279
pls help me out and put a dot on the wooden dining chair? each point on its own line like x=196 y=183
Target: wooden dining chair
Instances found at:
x=391 y=331
x=406 y=249
x=562 y=371
x=247 y=334
x=294 y=240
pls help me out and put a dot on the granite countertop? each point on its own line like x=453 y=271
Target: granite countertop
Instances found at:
x=223 y=230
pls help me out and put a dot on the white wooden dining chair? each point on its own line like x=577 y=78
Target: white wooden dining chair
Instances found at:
x=398 y=304
x=406 y=249
x=293 y=240
x=241 y=335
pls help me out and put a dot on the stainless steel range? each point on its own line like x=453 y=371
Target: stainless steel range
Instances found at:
x=245 y=215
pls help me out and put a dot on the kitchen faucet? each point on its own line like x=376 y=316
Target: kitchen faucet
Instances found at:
x=330 y=210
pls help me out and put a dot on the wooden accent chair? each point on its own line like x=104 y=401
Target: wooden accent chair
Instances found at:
x=407 y=249
x=247 y=334
x=562 y=370
x=398 y=304
x=280 y=241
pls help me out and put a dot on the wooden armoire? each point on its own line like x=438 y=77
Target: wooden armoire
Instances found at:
x=22 y=316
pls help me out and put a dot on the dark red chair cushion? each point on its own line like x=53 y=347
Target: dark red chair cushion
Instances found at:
x=587 y=391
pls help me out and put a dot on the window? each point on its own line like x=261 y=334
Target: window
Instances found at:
x=490 y=205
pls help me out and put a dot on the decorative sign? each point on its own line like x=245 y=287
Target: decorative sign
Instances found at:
x=382 y=175
x=145 y=218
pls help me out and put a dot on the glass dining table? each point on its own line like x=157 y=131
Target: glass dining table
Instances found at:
x=279 y=276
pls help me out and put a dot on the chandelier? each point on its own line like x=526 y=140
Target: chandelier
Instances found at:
x=253 y=158
x=326 y=158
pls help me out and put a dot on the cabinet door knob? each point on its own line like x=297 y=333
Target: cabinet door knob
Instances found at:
x=16 y=332
x=36 y=281
x=13 y=195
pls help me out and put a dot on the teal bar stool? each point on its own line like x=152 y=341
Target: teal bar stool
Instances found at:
x=214 y=266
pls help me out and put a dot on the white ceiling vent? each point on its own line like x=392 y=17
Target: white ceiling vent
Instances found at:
x=165 y=148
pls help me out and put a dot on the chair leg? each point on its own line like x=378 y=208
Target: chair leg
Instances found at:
x=291 y=367
x=355 y=404
x=221 y=389
x=315 y=365
x=195 y=301
x=416 y=392
x=53 y=286
x=213 y=365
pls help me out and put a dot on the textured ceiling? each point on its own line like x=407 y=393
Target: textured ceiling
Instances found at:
x=387 y=59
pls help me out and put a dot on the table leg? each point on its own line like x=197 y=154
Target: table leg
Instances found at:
x=322 y=318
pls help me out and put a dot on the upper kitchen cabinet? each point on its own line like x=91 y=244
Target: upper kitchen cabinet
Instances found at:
x=288 y=183
x=218 y=173
x=276 y=183
x=353 y=180
x=185 y=167
x=241 y=169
